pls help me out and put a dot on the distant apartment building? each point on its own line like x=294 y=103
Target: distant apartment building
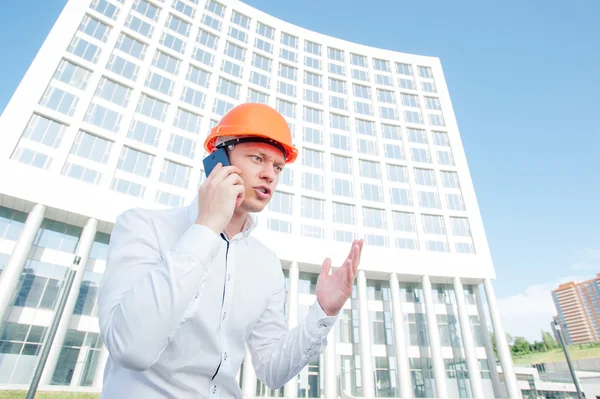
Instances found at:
x=577 y=307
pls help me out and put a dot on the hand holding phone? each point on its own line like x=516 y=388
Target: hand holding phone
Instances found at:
x=221 y=193
x=220 y=155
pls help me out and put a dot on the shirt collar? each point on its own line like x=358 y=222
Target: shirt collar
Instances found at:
x=249 y=225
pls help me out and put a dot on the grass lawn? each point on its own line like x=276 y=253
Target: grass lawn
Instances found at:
x=557 y=355
x=48 y=395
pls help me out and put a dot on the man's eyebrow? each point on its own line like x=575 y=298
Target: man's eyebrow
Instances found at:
x=264 y=154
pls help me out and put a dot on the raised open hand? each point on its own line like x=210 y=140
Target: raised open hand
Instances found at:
x=334 y=289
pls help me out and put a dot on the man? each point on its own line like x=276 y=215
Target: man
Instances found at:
x=186 y=289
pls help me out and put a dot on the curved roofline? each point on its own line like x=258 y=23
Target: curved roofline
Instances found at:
x=308 y=34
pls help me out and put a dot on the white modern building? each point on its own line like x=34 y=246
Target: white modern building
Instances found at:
x=112 y=114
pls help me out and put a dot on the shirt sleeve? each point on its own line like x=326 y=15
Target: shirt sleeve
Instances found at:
x=279 y=354
x=143 y=298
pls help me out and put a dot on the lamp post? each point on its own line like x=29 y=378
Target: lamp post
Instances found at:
x=558 y=329
x=60 y=307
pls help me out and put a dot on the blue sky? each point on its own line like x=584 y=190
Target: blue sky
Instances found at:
x=524 y=81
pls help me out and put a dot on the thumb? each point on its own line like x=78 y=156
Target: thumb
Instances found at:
x=326 y=266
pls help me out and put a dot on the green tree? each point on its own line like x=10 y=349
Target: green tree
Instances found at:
x=549 y=340
x=521 y=347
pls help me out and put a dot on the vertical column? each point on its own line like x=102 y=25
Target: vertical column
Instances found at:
x=9 y=279
x=330 y=368
x=79 y=365
x=83 y=251
x=501 y=343
x=439 y=372
x=249 y=378
x=400 y=340
x=99 y=376
x=467 y=337
x=489 y=349
x=365 y=338
x=290 y=389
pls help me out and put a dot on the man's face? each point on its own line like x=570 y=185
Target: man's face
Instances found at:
x=261 y=165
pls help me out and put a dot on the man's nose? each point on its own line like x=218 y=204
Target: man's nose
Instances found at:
x=268 y=173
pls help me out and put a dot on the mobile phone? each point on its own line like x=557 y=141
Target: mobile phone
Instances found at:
x=220 y=155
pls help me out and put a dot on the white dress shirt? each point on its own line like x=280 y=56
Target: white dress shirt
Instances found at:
x=178 y=304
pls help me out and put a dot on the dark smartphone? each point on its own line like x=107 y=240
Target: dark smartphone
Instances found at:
x=220 y=155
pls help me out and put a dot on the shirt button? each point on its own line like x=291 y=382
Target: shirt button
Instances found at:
x=215 y=390
x=224 y=315
x=229 y=277
x=225 y=356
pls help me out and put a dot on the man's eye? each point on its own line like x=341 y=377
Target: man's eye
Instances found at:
x=278 y=168
x=257 y=158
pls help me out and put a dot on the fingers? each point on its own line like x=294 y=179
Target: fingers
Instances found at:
x=356 y=259
x=350 y=274
x=240 y=195
x=326 y=267
x=220 y=172
x=233 y=179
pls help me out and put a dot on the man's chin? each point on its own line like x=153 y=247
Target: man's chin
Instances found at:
x=254 y=205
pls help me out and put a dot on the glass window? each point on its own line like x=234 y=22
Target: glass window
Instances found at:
x=228 y=88
x=91 y=147
x=282 y=203
x=152 y=107
x=95 y=28
x=44 y=131
x=72 y=74
x=397 y=173
x=122 y=67
x=181 y=145
x=131 y=46
x=374 y=218
x=140 y=26
x=144 y=133
x=312 y=158
x=313 y=115
x=178 y=25
x=114 y=92
x=433 y=224
x=261 y=62
x=175 y=174
x=174 y=43
x=59 y=100
x=104 y=7
x=207 y=39
x=166 y=62
x=460 y=226
x=265 y=31
x=342 y=187
x=343 y=213
x=371 y=192
x=404 y=221
x=312 y=135
x=369 y=169
x=136 y=162
x=257 y=97
x=313 y=208
x=312 y=182
x=146 y=9
x=184 y=8
x=358 y=60
x=425 y=177
x=428 y=199
x=400 y=196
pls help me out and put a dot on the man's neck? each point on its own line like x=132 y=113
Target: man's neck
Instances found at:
x=236 y=224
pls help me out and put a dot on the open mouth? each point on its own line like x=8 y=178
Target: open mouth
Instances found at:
x=263 y=191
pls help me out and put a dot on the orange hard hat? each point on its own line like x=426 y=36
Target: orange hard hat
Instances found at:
x=253 y=122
